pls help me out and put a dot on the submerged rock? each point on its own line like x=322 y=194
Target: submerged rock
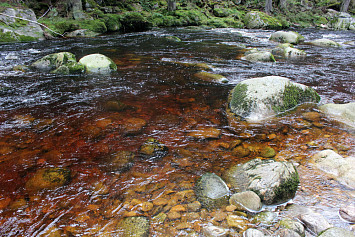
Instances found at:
x=287 y=51
x=211 y=77
x=261 y=20
x=137 y=226
x=265 y=217
x=259 y=56
x=120 y=161
x=98 y=63
x=246 y=201
x=339 y=168
x=260 y=98
x=153 y=149
x=324 y=43
x=287 y=37
x=61 y=63
x=211 y=191
x=343 y=112
x=274 y=182
x=293 y=225
x=48 y=178
x=205 y=133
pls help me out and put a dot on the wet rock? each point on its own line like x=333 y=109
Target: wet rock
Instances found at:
x=61 y=63
x=48 y=178
x=98 y=63
x=120 y=161
x=246 y=201
x=253 y=233
x=287 y=37
x=274 y=182
x=160 y=218
x=324 y=43
x=261 y=20
x=267 y=152
x=214 y=231
x=293 y=225
x=314 y=222
x=133 y=126
x=211 y=191
x=259 y=56
x=116 y=106
x=204 y=133
x=194 y=206
x=241 y=151
x=172 y=38
x=51 y=232
x=342 y=112
x=211 y=77
x=153 y=149
x=287 y=51
x=340 y=20
x=137 y=226
x=14 y=29
x=81 y=33
x=339 y=168
x=265 y=217
x=337 y=232
x=348 y=213
x=260 y=98
x=238 y=222
x=312 y=116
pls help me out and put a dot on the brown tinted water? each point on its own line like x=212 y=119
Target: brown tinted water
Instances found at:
x=73 y=122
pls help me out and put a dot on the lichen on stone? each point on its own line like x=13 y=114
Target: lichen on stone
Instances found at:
x=239 y=101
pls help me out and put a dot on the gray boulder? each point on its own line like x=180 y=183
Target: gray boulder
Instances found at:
x=261 y=98
x=340 y=20
x=288 y=51
x=287 y=37
x=274 y=182
x=344 y=113
x=137 y=226
x=324 y=43
x=339 y=168
x=246 y=201
x=16 y=29
x=337 y=232
x=62 y=63
x=261 y=20
x=314 y=222
x=212 y=191
x=259 y=56
x=98 y=63
x=348 y=213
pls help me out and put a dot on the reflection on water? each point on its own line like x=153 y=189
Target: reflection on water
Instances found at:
x=94 y=125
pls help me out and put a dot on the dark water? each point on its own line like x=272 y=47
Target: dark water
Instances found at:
x=51 y=120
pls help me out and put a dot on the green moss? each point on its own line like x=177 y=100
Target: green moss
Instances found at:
x=294 y=96
x=57 y=176
x=112 y=22
x=134 y=21
x=191 y=17
x=13 y=37
x=287 y=189
x=256 y=19
x=239 y=101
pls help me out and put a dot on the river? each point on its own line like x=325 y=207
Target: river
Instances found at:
x=49 y=120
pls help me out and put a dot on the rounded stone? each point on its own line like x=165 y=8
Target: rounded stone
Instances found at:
x=48 y=178
x=267 y=152
x=246 y=201
x=287 y=37
x=337 y=232
x=98 y=63
x=324 y=43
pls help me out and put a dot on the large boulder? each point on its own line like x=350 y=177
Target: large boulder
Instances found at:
x=62 y=63
x=259 y=56
x=339 y=168
x=212 y=191
x=344 y=113
x=287 y=37
x=324 y=43
x=261 y=20
x=274 y=182
x=340 y=20
x=287 y=51
x=98 y=63
x=260 y=98
x=16 y=29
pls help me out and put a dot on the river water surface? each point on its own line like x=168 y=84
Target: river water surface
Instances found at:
x=49 y=120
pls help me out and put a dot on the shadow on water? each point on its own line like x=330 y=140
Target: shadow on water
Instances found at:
x=81 y=122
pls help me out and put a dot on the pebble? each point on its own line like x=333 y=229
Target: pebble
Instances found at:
x=240 y=151
x=237 y=222
x=178 y=208
x=214 y=231
x=194 y=206
x=147 y=206
x=160 y=201
x=174 y=215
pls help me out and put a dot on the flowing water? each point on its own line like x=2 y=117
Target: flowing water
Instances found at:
x=49 y=120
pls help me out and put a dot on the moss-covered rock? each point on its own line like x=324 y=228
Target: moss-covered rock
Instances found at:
x=261 y=98
x=153 y=149
x=81 y=33
x=98 y=63
x=211 y=77
x=291 y=37
x=324 y=43
x=259 y=56
x=134 y=21
x=292 y=225
x=274 y=182
x=211 y=191
x=61 y=63
x=287 y=51
x=136 y=226
x=261 y=20
x=48 y=178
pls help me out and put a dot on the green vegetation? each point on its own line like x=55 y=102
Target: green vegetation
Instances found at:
x=287 y=189
x=239 y=101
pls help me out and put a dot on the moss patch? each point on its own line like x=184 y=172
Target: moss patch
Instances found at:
x=239 y=101
x=287 y=189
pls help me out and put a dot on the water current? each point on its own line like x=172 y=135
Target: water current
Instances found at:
x=49 y=120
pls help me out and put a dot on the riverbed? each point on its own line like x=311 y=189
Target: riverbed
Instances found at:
x=69 y=121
